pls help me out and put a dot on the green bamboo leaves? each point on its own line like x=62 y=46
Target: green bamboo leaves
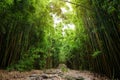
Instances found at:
x=20 y=24
x=96 y=53
x=101 y=24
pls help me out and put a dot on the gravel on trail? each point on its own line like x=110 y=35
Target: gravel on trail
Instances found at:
x=50 y=74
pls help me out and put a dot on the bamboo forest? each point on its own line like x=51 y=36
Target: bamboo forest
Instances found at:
x=59 y=39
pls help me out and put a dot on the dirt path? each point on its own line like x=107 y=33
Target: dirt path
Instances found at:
x=50 y=74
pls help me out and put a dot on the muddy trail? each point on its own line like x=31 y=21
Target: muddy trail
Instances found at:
x=50 y=74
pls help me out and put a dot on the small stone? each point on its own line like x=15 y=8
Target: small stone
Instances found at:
x=33 y=75
x=45 y=76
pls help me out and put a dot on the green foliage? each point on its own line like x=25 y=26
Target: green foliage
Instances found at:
x=26 y=63
x=33 y=59
x=63 y=69
x=101 y=24
x=96 y=53
x=110 y=6
x=23 y=24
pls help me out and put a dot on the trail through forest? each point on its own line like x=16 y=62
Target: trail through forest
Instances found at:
x=50 y=74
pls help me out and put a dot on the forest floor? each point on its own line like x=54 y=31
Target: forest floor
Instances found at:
x=50 y=74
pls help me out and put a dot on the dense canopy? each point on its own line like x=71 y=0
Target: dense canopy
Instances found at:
x=40 y=34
